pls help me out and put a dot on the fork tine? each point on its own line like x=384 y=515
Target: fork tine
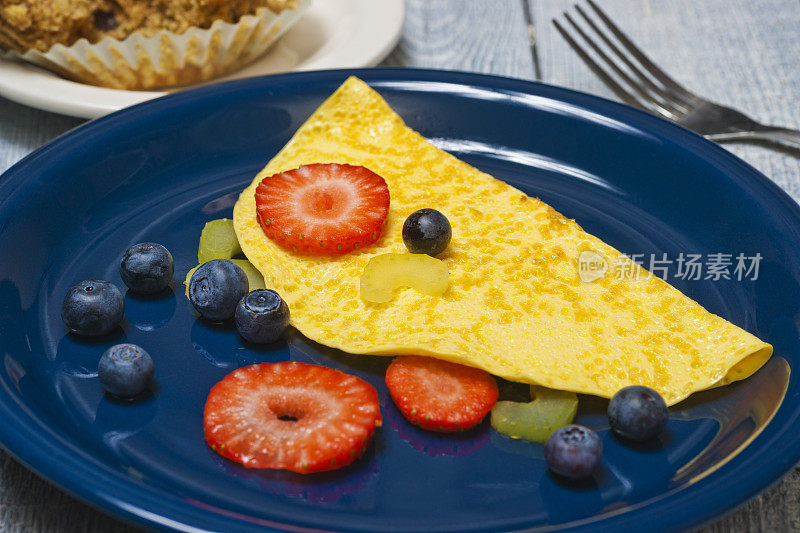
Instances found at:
x=645 y=61
x=649 y=100
x=675 y=98
x=626 y=97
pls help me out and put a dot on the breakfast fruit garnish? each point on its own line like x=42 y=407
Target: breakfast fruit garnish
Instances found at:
x=125 y=370
x=93 y=307
x=637 y=413
x=573 y=451
x=218 y=241
x=295 y=416
x=439 y=395
x=323 y=208
x=254 y=277
x=386 y=272
x=146 y=268
x=261 y=316
x=216 y=288
x=427 y=231
x=536 y=420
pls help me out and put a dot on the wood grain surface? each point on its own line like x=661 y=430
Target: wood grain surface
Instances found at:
x=741 y=53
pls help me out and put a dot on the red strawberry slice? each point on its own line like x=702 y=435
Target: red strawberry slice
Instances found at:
x=439 y=395
x=295 y=416
x=323 y=208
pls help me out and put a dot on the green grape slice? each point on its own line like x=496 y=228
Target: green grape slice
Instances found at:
x=218 y=241
x=535 y=420
x=386 y=272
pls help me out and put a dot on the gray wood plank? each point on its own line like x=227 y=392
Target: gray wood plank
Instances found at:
x=736 y=52
x=23 y=129
x=487 y=36
x=30 y=504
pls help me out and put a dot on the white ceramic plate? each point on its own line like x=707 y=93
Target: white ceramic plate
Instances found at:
x=331 y=34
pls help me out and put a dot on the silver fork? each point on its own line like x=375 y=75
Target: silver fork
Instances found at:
x=640 y=83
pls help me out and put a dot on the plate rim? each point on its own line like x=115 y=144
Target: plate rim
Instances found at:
x=93 y=100
x=30 y=442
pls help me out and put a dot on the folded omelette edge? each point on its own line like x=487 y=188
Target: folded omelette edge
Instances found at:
x=516 y=306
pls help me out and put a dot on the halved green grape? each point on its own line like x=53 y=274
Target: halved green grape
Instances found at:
x=188 y=279
x=536 y=420
x=254 y=277
x=385 y=272
x=218 y=241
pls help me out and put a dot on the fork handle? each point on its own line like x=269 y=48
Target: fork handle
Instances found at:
x=784 y=135
x=764 y=133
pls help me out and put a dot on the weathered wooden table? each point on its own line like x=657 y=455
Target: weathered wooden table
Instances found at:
x=742 y=53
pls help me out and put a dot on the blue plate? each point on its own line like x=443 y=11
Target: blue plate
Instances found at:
x=158 y=171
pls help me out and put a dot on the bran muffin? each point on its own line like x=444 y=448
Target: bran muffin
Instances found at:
x=41 y=31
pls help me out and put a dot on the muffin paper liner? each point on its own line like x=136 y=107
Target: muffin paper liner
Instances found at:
x=166 y=58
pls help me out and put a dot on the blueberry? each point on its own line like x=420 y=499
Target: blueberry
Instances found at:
x=105 y=20
x=427 y=231
x=637 y=413
x=125 y=370
x=146 y=268
x=93 y=308
x=262 y=316
x=216 y=288
x=573 y=451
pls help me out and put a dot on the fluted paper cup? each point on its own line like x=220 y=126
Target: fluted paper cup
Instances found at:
x=166 y=58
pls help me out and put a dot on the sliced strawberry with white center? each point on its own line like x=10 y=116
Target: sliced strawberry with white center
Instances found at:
x=295 y=416
x=440 y=395
x=323 y=208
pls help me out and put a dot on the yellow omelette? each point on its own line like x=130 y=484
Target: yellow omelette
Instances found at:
x=516 y=305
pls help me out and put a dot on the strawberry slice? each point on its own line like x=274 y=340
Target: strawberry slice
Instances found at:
x=323 y=208
x=440 y=395
x=295 y=416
